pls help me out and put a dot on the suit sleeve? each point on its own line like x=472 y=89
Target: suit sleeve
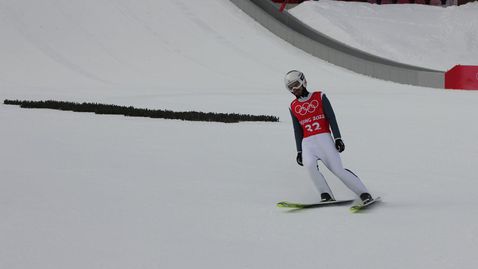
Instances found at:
x=330 y=115
x=298 y=133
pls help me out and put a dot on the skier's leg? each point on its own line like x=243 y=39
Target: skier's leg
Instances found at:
x=332 y=160
x=309 y=160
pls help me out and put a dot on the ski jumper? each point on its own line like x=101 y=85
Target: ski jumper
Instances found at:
x=313 y=118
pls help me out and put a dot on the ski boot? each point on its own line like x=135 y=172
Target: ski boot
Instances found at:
x=366 y=198
x=325 y=197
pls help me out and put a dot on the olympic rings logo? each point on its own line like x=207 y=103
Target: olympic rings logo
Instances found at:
x=307 y=108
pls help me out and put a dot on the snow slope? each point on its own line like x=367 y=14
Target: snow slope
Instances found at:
x=428 y=36
x=88 y=191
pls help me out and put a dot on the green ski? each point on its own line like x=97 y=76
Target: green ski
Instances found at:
x=285 y=204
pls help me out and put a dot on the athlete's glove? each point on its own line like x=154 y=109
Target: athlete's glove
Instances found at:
x=339 y=145
x=299 y=158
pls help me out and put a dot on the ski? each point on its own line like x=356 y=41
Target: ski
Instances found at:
x=358 y=207
x=285 y=204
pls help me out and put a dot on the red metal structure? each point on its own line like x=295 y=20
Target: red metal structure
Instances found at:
x=463 y=77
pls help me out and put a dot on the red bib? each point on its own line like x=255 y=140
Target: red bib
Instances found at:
x=311 y=115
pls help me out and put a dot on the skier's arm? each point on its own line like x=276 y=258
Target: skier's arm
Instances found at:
x=298 y=133
x=330 y=115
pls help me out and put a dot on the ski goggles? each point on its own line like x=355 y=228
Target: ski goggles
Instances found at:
x=294 y=85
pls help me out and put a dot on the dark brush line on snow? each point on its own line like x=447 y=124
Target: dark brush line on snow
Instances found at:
x=142 y=112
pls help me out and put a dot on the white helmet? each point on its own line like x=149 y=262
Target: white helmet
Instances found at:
x=294 y=79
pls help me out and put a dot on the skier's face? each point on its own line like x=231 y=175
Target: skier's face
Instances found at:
x=298 y=91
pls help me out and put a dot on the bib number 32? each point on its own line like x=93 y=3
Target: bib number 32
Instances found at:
x=312 y=127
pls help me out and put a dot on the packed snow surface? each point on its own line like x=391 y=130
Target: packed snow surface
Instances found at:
x=88 y=191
